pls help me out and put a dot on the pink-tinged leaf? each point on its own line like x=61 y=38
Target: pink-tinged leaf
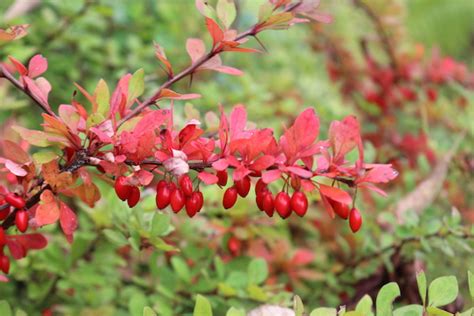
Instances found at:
x=195 y=48
x=238 y=121
x=303 y=173
x=373 y=188
x=4 y=279
x=48 y=209
x=67 y=219
x=89 y=97
x=170 y=94
x=144 y=177
x=13 y=32
x=151 y=121
x=207 y=178
x=302 y=257
x=308 y=185
x=119 y=96
x=215 y=31
x=36 y=90
x=335 y=194
x=220 y=164
x=15 y=168
x=271 y=175
x=14 y=152
x=20 y=244
x=378 y=174
x=229 y=70
x=37 y=65
x=19 y=66
x=161 y=56
x=32 y=137
x=344 y=136
x=320 y=17
x=240 y=173
x=262 y=163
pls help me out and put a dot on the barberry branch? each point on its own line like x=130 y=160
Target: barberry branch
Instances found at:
x=251 y=32
x=4 y=73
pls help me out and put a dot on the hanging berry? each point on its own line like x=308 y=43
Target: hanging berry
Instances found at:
x=355 y=220
x=283 y=204
x=299 y=203
x=243 y=186
x=15 y=200
x=122 y=188
x=230 y=197
x=21 y=220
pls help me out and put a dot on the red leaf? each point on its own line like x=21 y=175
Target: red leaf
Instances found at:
x=19 y=66
x=335 y=194
x=300 y=171
x=271 y=176
x=207 y=178
x=37 y=65
x=170 y=94
x=302 y=257
x=378 y=174
x=195 y=48
x=20 y=244
x=344 y=136
x=48 y=210
x=220 y=164
x=262 y=163
x=39 y=91
x=216 y=33
x=67 y=220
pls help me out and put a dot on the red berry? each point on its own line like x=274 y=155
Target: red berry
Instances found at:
x=222 y=178
x=268 y=205
x=299 y=203
x=186 y=185
x=4 y=213
x=3 y=237
x=259 y=198
x=21 y=220
x=243 y=186
x=4 y=264
x=192 y=204
x=431 y=94
x=15 y=200
x=230 y=197
x=234 y=245
x=163 y=195
x=283 y=204
x=160 y=184
x=133 y=197
x=342 y=210
x=200 y=199
x=355 y=220
x=177 y=200
x=122 y=188
x=260 y=186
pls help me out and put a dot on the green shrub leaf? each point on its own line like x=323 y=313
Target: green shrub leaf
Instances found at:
x=442 y=291
x=202 y=307
x=421 y=281
x=387 y=294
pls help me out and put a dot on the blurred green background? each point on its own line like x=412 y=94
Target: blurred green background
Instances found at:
x=105 y=273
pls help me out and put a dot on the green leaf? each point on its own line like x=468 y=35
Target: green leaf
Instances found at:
x=115 y=237
x=181 y=268
x=136 y=86
x=387 y=294
x=5 y=309
x=470 y=279
x=44 y=156
x=148 y=311
x=409 y=310
x=160 y=224
x=257 y=271
x=421 y=281
x=235 y=312
x=226 y=12
x=137 y=304
x=442 y=291
x=365 y=305
x=202 y=307
x=257 y=293
x=102 y=97
x=324 y=311
x=298 y=306
x=469 y=312
x=434 y=311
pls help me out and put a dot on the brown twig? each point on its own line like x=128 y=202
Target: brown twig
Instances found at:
x=4 y=73
x=251 y=32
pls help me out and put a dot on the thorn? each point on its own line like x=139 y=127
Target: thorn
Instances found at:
x=260 y=43
x=190 y=80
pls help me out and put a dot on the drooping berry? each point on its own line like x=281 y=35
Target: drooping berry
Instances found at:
x=4 y=213
x=355 y=220
x=342 y=210
x=122 y=188
x=268 y=204
x=192 y=204
x=200 y=199
x=15 y=200
x=283 y=204
x=186 y=185
x=4 y=264
x=260 y=186
x=234 y=245
x=3 y=237
x=160 y=184
x=21 y=220
x=243 y=186
x=163 y=196
x=230 y=197
x=431 y=94
x=259 y=198
x=177 y=200
x=222 y=177
x=134 y=196
x=299 y=203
